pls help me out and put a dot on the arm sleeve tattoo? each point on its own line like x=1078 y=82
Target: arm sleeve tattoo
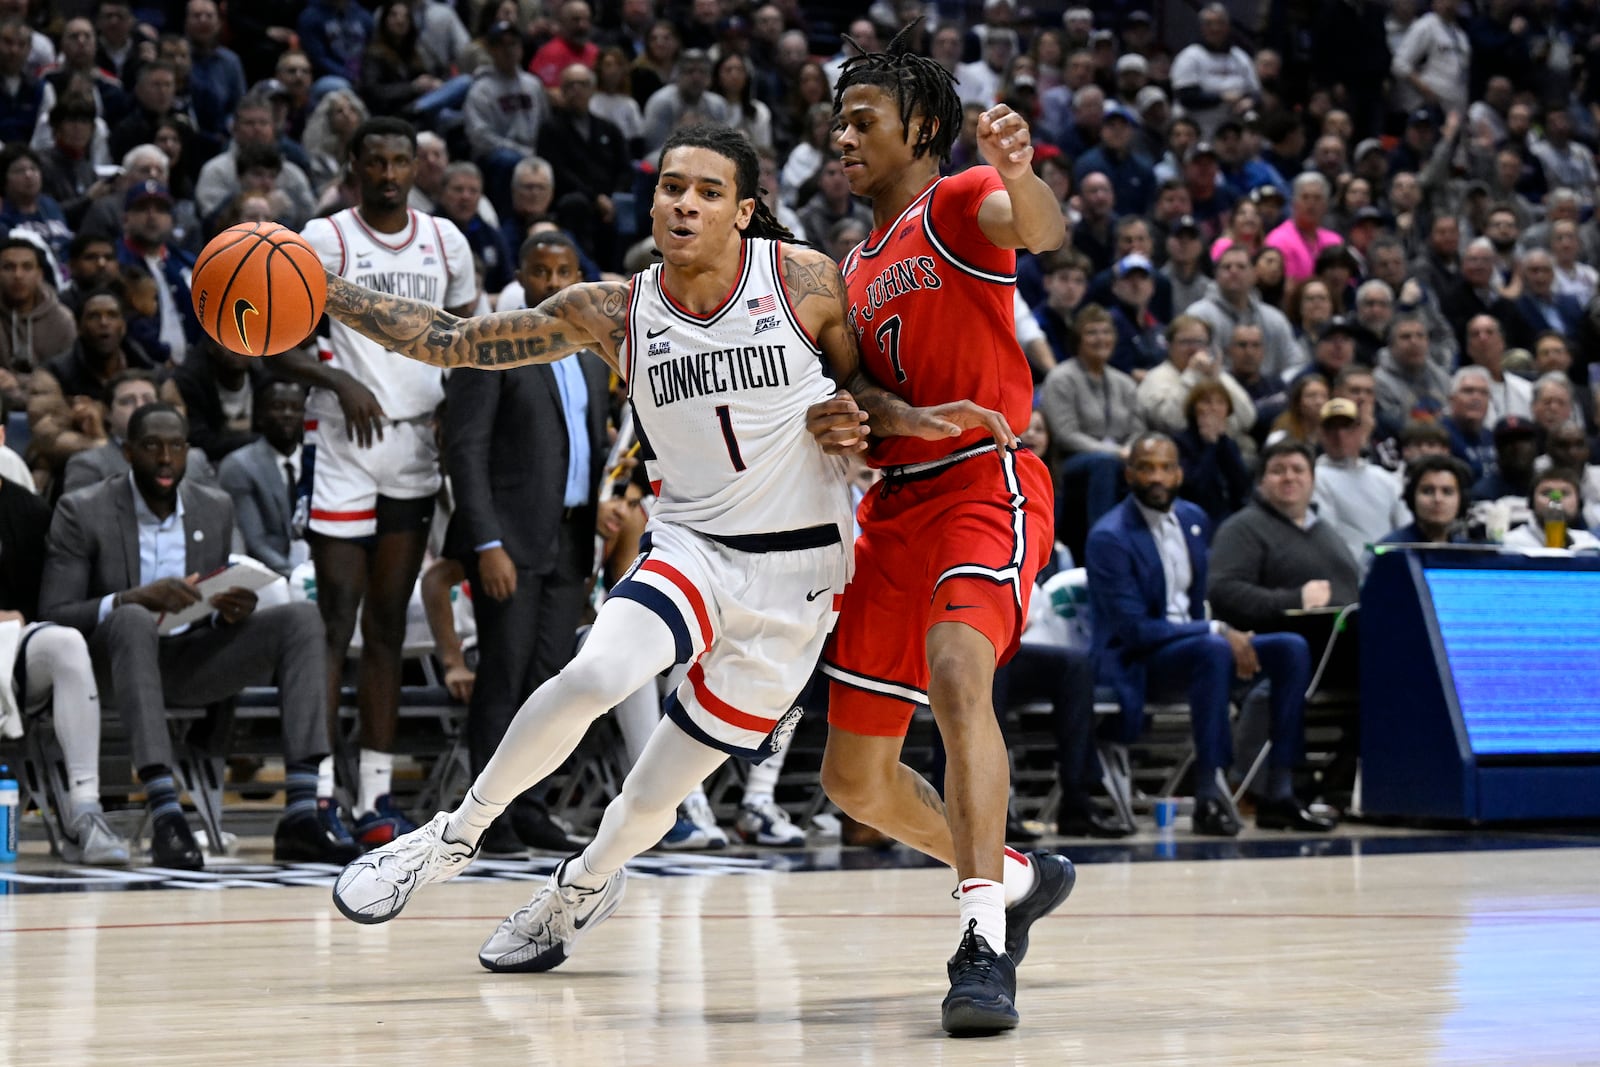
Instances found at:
x=591 y=315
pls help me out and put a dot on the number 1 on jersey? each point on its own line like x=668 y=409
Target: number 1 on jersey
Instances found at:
x=891 y=347
x=725 y=417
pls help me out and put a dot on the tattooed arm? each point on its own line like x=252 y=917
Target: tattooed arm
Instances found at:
x=590 y=315
x=816 y=292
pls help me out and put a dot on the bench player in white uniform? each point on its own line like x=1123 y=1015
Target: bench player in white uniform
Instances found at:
x=723 y=347
x=372 y=462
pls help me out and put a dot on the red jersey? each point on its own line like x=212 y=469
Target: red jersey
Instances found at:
x=931 y=302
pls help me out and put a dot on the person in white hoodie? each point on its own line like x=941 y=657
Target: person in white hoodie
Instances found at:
x=503 y=112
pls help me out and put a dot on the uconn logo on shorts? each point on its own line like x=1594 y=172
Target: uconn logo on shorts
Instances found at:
x=779 y=738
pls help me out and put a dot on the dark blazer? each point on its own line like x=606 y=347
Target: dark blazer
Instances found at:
x=1128 y=595
x=93 y=546
x=254 y=478
x=208 y=426
x=506 y=453
x=1533 y=320
x=97 y=464
x=593 y=164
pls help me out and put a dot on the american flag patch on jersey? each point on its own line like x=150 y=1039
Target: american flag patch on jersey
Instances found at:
x=764 y=305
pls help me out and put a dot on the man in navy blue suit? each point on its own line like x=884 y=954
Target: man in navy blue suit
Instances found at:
x=1147 y=577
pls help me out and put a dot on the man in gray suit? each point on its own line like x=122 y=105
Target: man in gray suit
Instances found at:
x=126 y=393
x=263 y=477
x=525 y=450
x=121 y=554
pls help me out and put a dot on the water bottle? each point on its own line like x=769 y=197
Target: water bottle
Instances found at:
x=9 y=800
x=1555 y=520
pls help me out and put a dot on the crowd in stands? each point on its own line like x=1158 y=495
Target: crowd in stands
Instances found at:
x=1353 y=236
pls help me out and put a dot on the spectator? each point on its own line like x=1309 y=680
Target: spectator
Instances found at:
x=1066 y=279
x=26 y=208
x=1243 y=359
x=613 y=101
x=220 y=178
x=1374 y=312
x=215 y=71
x=688 y=93
x=1185 y=269
x=1235 y=303
x=1147 y=567
x=1140 y=343
x=1516 y=447
x=1209 y=200
x=264 y=477
x=1270 y=282
x=68 y=161
x=1432 y=61
x=653 y=67
x=106 y=96
x=1541 y=306
x=831 y=203
x=570 y=45
x=533 y=185
x=154 y=96
x=335 y=35
x=1302 y=236
x=1486 y=347
x=218 y=388
x=1244 y=229
x=1132 y=236
x=1553 y=404
x=91 y=264
x=1568 y=447
x=1552 y=352
x=1302 y=416
x=1092 y=410
x=504 y=110
x=37 y=328
x=1476 y=293
x=1359 y=500
x=463 y=189
x=91 y=584
x=1555 y=486
x=1241 y=168
x=1436 y=494
x=1133 y=182
x=1471 y=439
x=732 y=79
x=147 y=225
x=395 y=72
x=1410 y=385
x=327 y=131
x=117 y=52
x=1567 y=163
x=1274 y=556
x=126 y=393
x=101 y=351
x=1574 y=278
x=20 y=107
x=1215 y=476
x=1212 y=78
x=1164 y=393
x=1092 y=235
x=1335 y=347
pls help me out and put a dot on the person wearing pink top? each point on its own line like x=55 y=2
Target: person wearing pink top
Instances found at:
x=1301 y=236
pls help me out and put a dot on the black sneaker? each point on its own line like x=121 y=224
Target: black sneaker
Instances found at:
x=1053 y=879
x=983 y=989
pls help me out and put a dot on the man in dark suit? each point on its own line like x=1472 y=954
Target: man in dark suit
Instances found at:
x=1540 y=307
x=590 y=157
x=1147 y=578
x=121 y=554
x=263 y=477
x=525 y=451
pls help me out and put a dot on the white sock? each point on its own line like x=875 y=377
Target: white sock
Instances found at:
x=753 y=799
x=85 y=794
x=472 y=818
x=984 y=901
x=377 y=775
x=578 y=872
x=325 y=777
x=762 y=780
x=1019 y=876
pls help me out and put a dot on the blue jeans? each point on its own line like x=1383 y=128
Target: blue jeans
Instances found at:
x=1203 y=667
x=452 y=94
x=1100 y=476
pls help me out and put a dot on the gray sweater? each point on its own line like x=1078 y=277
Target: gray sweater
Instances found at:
x=1399 y=393
x=1089 y=416
x=1282 y=354
x=1259 y=561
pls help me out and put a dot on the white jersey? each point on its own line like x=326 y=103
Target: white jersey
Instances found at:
x=720 y=406
x=429 y=261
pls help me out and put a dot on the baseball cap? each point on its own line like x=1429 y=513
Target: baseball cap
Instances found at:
x=1137 y=18
x=271 y=88
x=1337 y=324
x=1420 y=117
x=1266 y=192
x=1186 y=224
x=1116 y=110
x=1366 y=148
x=1198 y=149
x=1368 y=214
x=1149 y=97
x=1102 y=37
x=146 y=190
x=1131 y=262
x=1132 y=61
x=1024 y=81
x=502 y=29
x=1514 y=426
x=1226 y=125
x=1340 y=407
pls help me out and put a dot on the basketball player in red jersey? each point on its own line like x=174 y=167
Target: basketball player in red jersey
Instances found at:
x=953 y=539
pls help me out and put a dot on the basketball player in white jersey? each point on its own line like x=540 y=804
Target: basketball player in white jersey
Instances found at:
x=372 y=462
x=723 y=347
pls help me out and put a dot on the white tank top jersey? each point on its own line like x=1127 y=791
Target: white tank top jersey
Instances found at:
x=430 y=261
x=720 y=406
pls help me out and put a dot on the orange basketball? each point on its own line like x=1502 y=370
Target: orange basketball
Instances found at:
x=259 y=288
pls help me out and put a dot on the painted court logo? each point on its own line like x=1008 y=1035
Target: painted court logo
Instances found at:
x=241 y=308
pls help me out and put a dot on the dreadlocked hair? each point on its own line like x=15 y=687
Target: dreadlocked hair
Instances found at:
x=735 y=147
x=916 y=82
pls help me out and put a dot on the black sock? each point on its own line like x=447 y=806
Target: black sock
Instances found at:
x=300 y=788
x=1205 y=784
x=160 y=791
x=1280 y=783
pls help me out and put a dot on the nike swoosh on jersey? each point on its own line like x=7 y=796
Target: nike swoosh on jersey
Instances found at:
x=652 y=334
x=958 y=607
x=819 y=592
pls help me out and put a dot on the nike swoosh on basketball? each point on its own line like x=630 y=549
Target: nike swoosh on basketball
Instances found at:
x=240 y=308
x=656 y=333
x=819 y=592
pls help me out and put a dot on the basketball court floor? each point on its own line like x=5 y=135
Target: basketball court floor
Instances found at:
x=1374 y=946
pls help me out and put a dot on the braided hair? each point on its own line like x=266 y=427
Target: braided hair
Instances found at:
x=917 y=83
x=735 y=147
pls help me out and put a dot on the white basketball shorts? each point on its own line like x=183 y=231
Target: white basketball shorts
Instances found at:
x=347 y=480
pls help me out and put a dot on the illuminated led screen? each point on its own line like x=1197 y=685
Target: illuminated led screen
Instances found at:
x=1524 y=651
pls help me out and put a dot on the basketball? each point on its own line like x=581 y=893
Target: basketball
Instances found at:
x=259 y=288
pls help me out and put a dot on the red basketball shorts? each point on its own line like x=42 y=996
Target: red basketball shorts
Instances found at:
x=960 y=545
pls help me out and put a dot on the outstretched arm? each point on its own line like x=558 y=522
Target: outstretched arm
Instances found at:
x=1027 y=215
x=591 y=315
x=816 y=292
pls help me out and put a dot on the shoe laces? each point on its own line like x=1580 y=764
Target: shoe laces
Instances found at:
x=427 y=850
x=552 y=907
x=974 y=954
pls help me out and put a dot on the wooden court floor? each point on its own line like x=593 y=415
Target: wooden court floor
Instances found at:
x=1456 y=957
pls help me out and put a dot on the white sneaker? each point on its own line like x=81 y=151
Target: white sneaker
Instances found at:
x=696 y=828
x=765 y=823
x=92 y=841
x=375 y=887
x=540 y=935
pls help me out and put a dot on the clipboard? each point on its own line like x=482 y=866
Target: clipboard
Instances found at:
x=242 y=573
